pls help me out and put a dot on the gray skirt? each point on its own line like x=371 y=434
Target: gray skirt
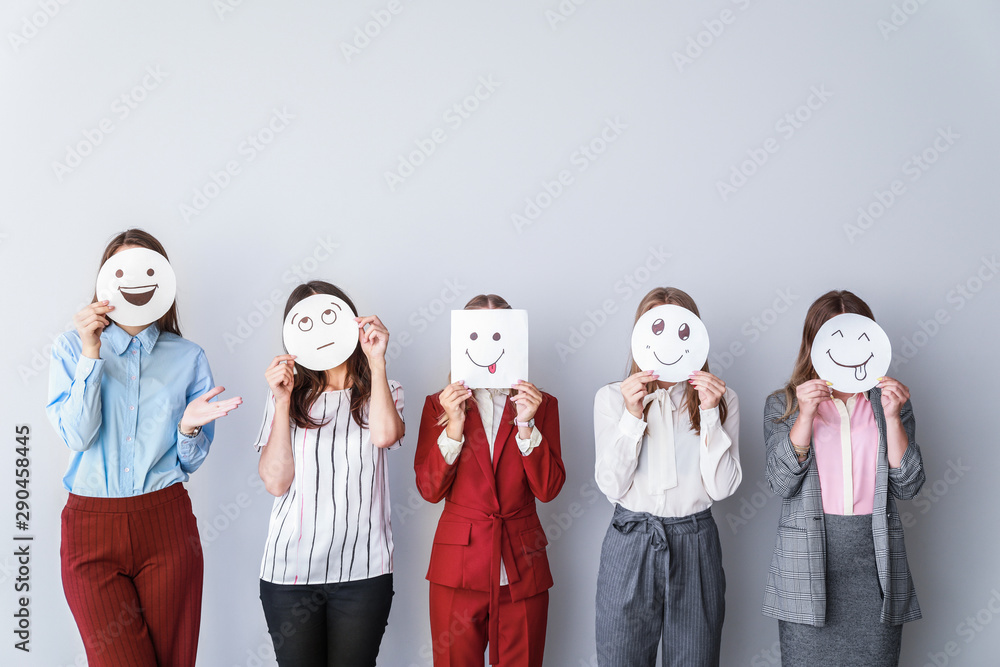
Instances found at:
x=853 y=634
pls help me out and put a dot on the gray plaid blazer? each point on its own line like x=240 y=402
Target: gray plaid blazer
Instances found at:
x=796 y=580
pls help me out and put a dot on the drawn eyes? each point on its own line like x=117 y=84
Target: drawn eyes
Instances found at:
x=305 y=324
x=684 y=331
x=119 y=273
x=328 y=316
x=841 y=334
x=474 y=336
x=150 y=272
x=658 y=327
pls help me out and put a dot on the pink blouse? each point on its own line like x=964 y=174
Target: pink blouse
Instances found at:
x=845 y=440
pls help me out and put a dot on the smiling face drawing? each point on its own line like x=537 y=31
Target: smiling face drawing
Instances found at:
x=320 y=331
x=489 y=348
x=671 y=341
x=139 y=283
x=852 y=352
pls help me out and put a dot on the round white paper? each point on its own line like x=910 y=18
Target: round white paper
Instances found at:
x=320 y=331
x=139 y=283
x=851 y=351
x=670 y=340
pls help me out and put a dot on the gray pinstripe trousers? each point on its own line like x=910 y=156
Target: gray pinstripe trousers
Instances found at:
x=660 y=578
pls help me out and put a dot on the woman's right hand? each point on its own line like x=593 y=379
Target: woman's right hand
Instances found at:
x=281 y=377
x=89 y=323
x=810 y=394
x=634 y=390
x=453 y=398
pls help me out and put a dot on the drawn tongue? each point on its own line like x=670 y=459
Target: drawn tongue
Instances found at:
x=860 y=372
x=493 y=368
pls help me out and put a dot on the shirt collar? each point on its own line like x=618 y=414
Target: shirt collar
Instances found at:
x=119 y=338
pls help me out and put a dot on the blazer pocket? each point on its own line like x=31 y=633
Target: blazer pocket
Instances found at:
x=533 y=540
x=453 y=532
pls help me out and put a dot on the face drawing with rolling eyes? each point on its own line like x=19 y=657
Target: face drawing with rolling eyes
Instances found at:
x=489 y=348
x=671 y=341
x=139 y=283
x=851 y=351
x=320 y=331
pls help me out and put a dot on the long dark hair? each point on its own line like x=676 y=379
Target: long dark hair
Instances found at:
x=660 y=296
x=831 y=304
x=143 y=239
x=309 y=384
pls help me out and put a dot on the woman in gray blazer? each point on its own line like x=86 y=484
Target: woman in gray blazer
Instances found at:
x=839 y=582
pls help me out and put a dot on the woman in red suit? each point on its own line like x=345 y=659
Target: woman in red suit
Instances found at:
x=489 y=453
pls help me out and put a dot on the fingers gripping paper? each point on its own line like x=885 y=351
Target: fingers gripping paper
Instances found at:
x=489 y=348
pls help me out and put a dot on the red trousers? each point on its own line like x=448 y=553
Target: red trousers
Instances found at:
x=460 y=627
x=132 y=573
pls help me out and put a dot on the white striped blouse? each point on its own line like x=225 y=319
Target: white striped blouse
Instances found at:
x=332 y=525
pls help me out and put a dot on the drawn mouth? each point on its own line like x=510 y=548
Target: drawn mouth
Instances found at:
x=664 y=362
x=491 y=367
x=327 y=345
x=860 y=370
x=138 y=296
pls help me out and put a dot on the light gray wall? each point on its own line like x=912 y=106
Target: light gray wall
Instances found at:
x=753 y=259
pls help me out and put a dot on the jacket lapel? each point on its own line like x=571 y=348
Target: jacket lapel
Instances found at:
x=503 y=432
x=475 y=436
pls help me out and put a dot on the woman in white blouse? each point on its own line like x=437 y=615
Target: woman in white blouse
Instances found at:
x=326 y=574
x=665 y=452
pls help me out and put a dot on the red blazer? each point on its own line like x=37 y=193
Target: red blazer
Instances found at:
x=490 y=503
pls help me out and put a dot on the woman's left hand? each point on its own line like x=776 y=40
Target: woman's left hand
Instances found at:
x=526 y=401
x=375 y=340
x=200 y=412
x=894 y=395
x=710 y=389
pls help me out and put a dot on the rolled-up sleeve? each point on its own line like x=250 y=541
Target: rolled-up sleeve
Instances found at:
x=192 y=451
x=74 y=405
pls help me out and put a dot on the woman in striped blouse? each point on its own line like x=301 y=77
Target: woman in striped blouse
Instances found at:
x=326 y=574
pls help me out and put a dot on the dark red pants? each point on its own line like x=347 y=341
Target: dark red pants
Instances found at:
x=460 y=627
x=132 y=572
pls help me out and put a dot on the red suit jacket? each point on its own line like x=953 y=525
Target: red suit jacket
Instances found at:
x=490 y=503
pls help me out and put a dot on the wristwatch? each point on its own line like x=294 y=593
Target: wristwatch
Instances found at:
x=528 y=424
x=193 y=434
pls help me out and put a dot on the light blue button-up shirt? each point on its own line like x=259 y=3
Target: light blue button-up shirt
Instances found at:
x=119 y=414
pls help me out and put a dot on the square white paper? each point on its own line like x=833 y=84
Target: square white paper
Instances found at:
x=489 y=347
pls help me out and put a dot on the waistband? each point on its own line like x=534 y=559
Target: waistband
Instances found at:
x=141 y=502
x=676 y=523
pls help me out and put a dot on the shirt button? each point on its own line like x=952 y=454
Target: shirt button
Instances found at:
x=133 y=377
x=128 y=438
x=131 y=407
x=126 y=469
x=135 y=351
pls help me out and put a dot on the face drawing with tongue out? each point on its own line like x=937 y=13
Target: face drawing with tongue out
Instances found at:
x=489 y=347
x=852 y=352
x=139 y=283
x=670 y=340
x=320 y=331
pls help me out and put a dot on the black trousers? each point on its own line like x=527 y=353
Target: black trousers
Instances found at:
x=327 y=625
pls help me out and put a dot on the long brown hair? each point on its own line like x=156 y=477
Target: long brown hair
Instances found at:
x=831 y=304
x=478 y=302
x=660 y=296
x=143 y=239
x=309 y=384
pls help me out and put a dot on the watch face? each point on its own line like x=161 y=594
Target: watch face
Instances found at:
x=671 y=341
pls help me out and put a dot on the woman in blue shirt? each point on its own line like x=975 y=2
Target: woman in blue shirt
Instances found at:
x=133 y=405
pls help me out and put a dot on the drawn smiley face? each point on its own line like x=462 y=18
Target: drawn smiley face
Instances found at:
x=851 y=351
x=139 y=283
x=671 y=341
x=320 y=331
x=489 y=347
